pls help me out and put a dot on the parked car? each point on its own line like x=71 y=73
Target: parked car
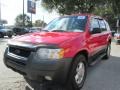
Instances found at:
x=5 y=32
x=62 y=52
x=113 y=33
x=34 y=29
x=117 y=38
x=20 y=31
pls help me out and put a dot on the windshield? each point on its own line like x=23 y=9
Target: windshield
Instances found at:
x=68 y=23
x=1 y=27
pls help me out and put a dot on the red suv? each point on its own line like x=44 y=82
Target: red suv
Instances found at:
x=62 y=51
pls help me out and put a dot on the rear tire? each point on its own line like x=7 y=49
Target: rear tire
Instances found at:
x=107 y=52
x=1 y=35
x=78 y=73
x=117 y=42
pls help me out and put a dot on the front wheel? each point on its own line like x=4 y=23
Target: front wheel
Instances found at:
x=1 y=35
x=10 y=36
x=78 y=73
x=107 y=52
x=117 y=42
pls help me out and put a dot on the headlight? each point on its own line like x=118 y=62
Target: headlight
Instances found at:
x=45 y=53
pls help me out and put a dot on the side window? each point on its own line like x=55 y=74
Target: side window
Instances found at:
x=102 y=25
x=94 y=24
x=107 y=26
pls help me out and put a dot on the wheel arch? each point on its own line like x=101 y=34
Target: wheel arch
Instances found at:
x=83 y=52
x=110 y=41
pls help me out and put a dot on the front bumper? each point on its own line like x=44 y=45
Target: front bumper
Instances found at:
x=36 y=69
x=7 y=33
x=117 y=40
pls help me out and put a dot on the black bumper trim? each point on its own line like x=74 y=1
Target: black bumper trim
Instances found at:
x=34 y=68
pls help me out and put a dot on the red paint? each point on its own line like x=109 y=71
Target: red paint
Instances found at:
x=72 y=42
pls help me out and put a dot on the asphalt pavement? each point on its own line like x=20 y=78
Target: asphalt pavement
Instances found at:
x=9 y=80
x=104 y=75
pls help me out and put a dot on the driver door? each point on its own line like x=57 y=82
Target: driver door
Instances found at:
x=95 y=39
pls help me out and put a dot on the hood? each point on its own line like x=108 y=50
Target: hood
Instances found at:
x=47 y=37
x=5 y=30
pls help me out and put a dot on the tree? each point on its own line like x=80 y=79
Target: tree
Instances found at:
x=19 y=20
x=71 y=6
x=116 y=10
x=39 y=23
x=110 y=9
x=4 y=21
x=115 y=6
x=114 y=15
x=105 y=10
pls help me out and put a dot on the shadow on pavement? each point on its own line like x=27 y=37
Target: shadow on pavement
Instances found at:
x=4 y=40
x=35 y=85
x=104 y=75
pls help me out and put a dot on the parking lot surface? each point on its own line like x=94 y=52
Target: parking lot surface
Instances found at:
x=104 y=75
x=9 y=80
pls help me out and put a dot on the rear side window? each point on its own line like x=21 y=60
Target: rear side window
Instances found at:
x=107 y=26
x=94 y=23
x=102 y=25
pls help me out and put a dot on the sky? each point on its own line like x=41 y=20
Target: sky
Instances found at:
x=11 y=8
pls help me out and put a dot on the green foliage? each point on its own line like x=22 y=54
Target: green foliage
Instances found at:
x=39 y=23
x=110 y=9
x=115 y=6
x=3 y=22
x=19 y=21
x=106 y=11
x=82 y=6
x=71 y=6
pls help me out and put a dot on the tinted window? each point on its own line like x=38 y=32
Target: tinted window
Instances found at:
x=94 y=24
x=102 y=25
x=1 y=27
x=69 y=23
x=107 y=26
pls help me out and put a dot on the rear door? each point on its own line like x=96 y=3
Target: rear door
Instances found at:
x=104 y=33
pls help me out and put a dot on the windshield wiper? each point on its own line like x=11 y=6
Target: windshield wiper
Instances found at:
x=44 y=31
x=58 y=31
x=53 y=31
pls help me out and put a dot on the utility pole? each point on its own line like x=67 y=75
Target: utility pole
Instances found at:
x=31 y=12
x=43 y=22
x=31 y=7
x=23 y=15
x=0 y=13
x=31 y=21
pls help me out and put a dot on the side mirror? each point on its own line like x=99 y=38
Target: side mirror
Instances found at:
x=96 y=30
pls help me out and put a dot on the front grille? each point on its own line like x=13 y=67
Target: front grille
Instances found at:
x=10 y=32
x=19 y=51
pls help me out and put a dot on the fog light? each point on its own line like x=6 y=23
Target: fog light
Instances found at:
x=48 y=78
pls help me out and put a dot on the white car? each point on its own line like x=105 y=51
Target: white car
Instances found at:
x=117 y=37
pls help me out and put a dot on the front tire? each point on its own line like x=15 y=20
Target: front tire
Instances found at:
x=10 y=36
x=78 y=73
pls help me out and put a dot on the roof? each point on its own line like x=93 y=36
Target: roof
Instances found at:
x=81 y=14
